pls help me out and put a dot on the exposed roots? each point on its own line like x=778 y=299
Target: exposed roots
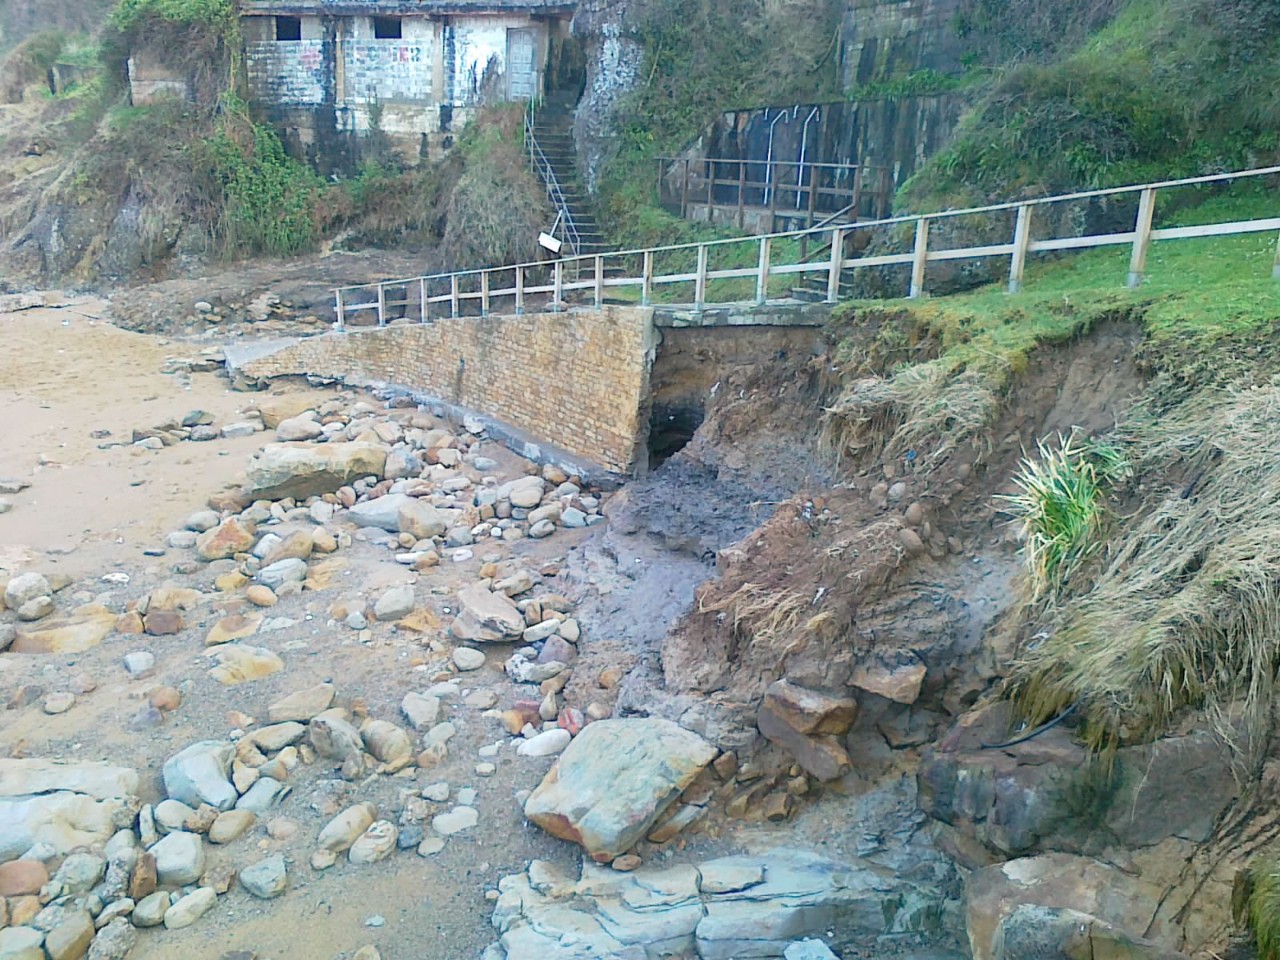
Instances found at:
x=771 y=619
x=922 y=408
x=1185 y=607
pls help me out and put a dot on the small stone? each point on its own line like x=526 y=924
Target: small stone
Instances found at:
x=485 y=769
x=547 y=744
x=395 y=604
x=436 y=792
x=422 y=710
x=430 y=846
x=70 y=939
x=163 y=623
x=343 y=830
x=190 y=908
x=22 y=877
x=455 y=821
x=375 y=844
x=179 y=858
x=150 y=910
x=230 y=825
x=302 y=705
x=266 y=879
x=114 y=941
x=57 y=703
x=467 y=659
x=260 y=797
x=167 y=699
x=36 y=609
x=24 y=588
x=260 y=595
x=626 y=863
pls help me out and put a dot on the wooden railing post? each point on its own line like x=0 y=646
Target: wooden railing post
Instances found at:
x=837 y=264
x=484 y=293
x=454 y=300
x=519 y=290
x=813 y=193
x=771 y=184
x=1141 y=237
x=742 y=193
x=557 y=283
x=599 y=265
x=1021 y=241
x=340 y=310
x=762 y=274
x=424 y=308
x=382 y=305
x=700 y=283
x=646 y=279
x=1275 y=268
x=920 y=258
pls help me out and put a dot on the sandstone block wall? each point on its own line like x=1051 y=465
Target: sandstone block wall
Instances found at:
x=578 y=380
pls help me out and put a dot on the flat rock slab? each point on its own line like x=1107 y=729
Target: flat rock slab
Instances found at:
x=304 y=470
x=64 y=821
x=81 y=631
x=785 y=896
x=486 y=616
x=27 y=777
x=614 y=780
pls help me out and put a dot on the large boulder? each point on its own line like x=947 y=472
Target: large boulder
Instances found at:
x=381 y=512
x=614 y=780
x=1062 y=882
x=64 y=805
x=1058 y=933
x=305 y=470
x=486 y=616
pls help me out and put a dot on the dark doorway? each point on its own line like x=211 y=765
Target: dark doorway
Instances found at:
x=386 y=28
x=670 y=428
x=288 y=28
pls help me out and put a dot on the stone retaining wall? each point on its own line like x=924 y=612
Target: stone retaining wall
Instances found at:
x=578 y=380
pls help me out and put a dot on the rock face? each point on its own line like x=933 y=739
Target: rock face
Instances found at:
x=753 y=906
x=1055 y=933
x=614 y=780
x=1060 y=882
x=1029 y=796
x=486 y=616
x=283 y=470
x=806 y=723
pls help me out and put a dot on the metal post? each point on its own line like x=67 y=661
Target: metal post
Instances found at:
x=1141 y=237
x=646 y=280
x=557 y=283
x=425 y=308
x=837 y=264
x=920 y=258
x=742 y=192
x=684 y=191
x=700 y=284
x=1021 y=240
x=454 y=303
x=484 y=293
x=382 y=305
x=340 y=310
x=762 y=274
x=519 y=290
x=813 y=192
x=599 y=281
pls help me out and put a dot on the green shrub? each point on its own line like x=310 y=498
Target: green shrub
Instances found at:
x=269 y=199
x=1260 y=910
x=207 y=13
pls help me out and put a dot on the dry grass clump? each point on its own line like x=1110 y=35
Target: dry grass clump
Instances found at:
x=769 y=617
x=925 y=407
x=1258 y=905
x=1184 y=610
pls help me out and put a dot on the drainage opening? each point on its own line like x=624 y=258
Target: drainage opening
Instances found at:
x=670 y=428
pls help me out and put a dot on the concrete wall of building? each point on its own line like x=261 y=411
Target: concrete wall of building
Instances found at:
x=579 y=380
x=423 y=86
x=889 y=39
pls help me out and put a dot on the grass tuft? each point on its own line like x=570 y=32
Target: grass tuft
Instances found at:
x=1262 y=907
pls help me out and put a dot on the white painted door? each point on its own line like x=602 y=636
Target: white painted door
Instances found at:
x=522 y=72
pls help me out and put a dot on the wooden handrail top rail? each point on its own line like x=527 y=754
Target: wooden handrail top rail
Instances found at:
x=848 y=228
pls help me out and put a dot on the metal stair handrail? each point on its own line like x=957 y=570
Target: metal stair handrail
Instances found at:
x=543 y=168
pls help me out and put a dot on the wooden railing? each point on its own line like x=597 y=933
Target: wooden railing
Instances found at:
x=750 y=261
x=783 y=188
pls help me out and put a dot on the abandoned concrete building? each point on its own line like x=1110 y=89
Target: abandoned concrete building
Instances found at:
x=417 y=70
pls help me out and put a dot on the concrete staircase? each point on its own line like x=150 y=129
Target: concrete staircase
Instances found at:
x=552 y=135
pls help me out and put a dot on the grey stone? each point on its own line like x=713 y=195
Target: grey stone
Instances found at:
x=808 y=950
x=179 y=858
x=80 y=873
x=70 y=939
x=24 y=588
x=395 y=604
x=455 y=821
x=573 y=517
x=381 y=512
x=283 y=470
x=290 y=570
x=486 y=616
x=422 y=709
x=172 y=815
x=203 y=520
x=139 y=662
x=201 y=774
x=266 y=879
x=21 y=943
x=114 y=941
x=334 y=737
x=467 y=659
x=301 y=427
x=260 y=797
x=190 y=908
x=541 y=529
x=150 y=910
x=181 y=539
x=546 y=744
x=35 y=609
